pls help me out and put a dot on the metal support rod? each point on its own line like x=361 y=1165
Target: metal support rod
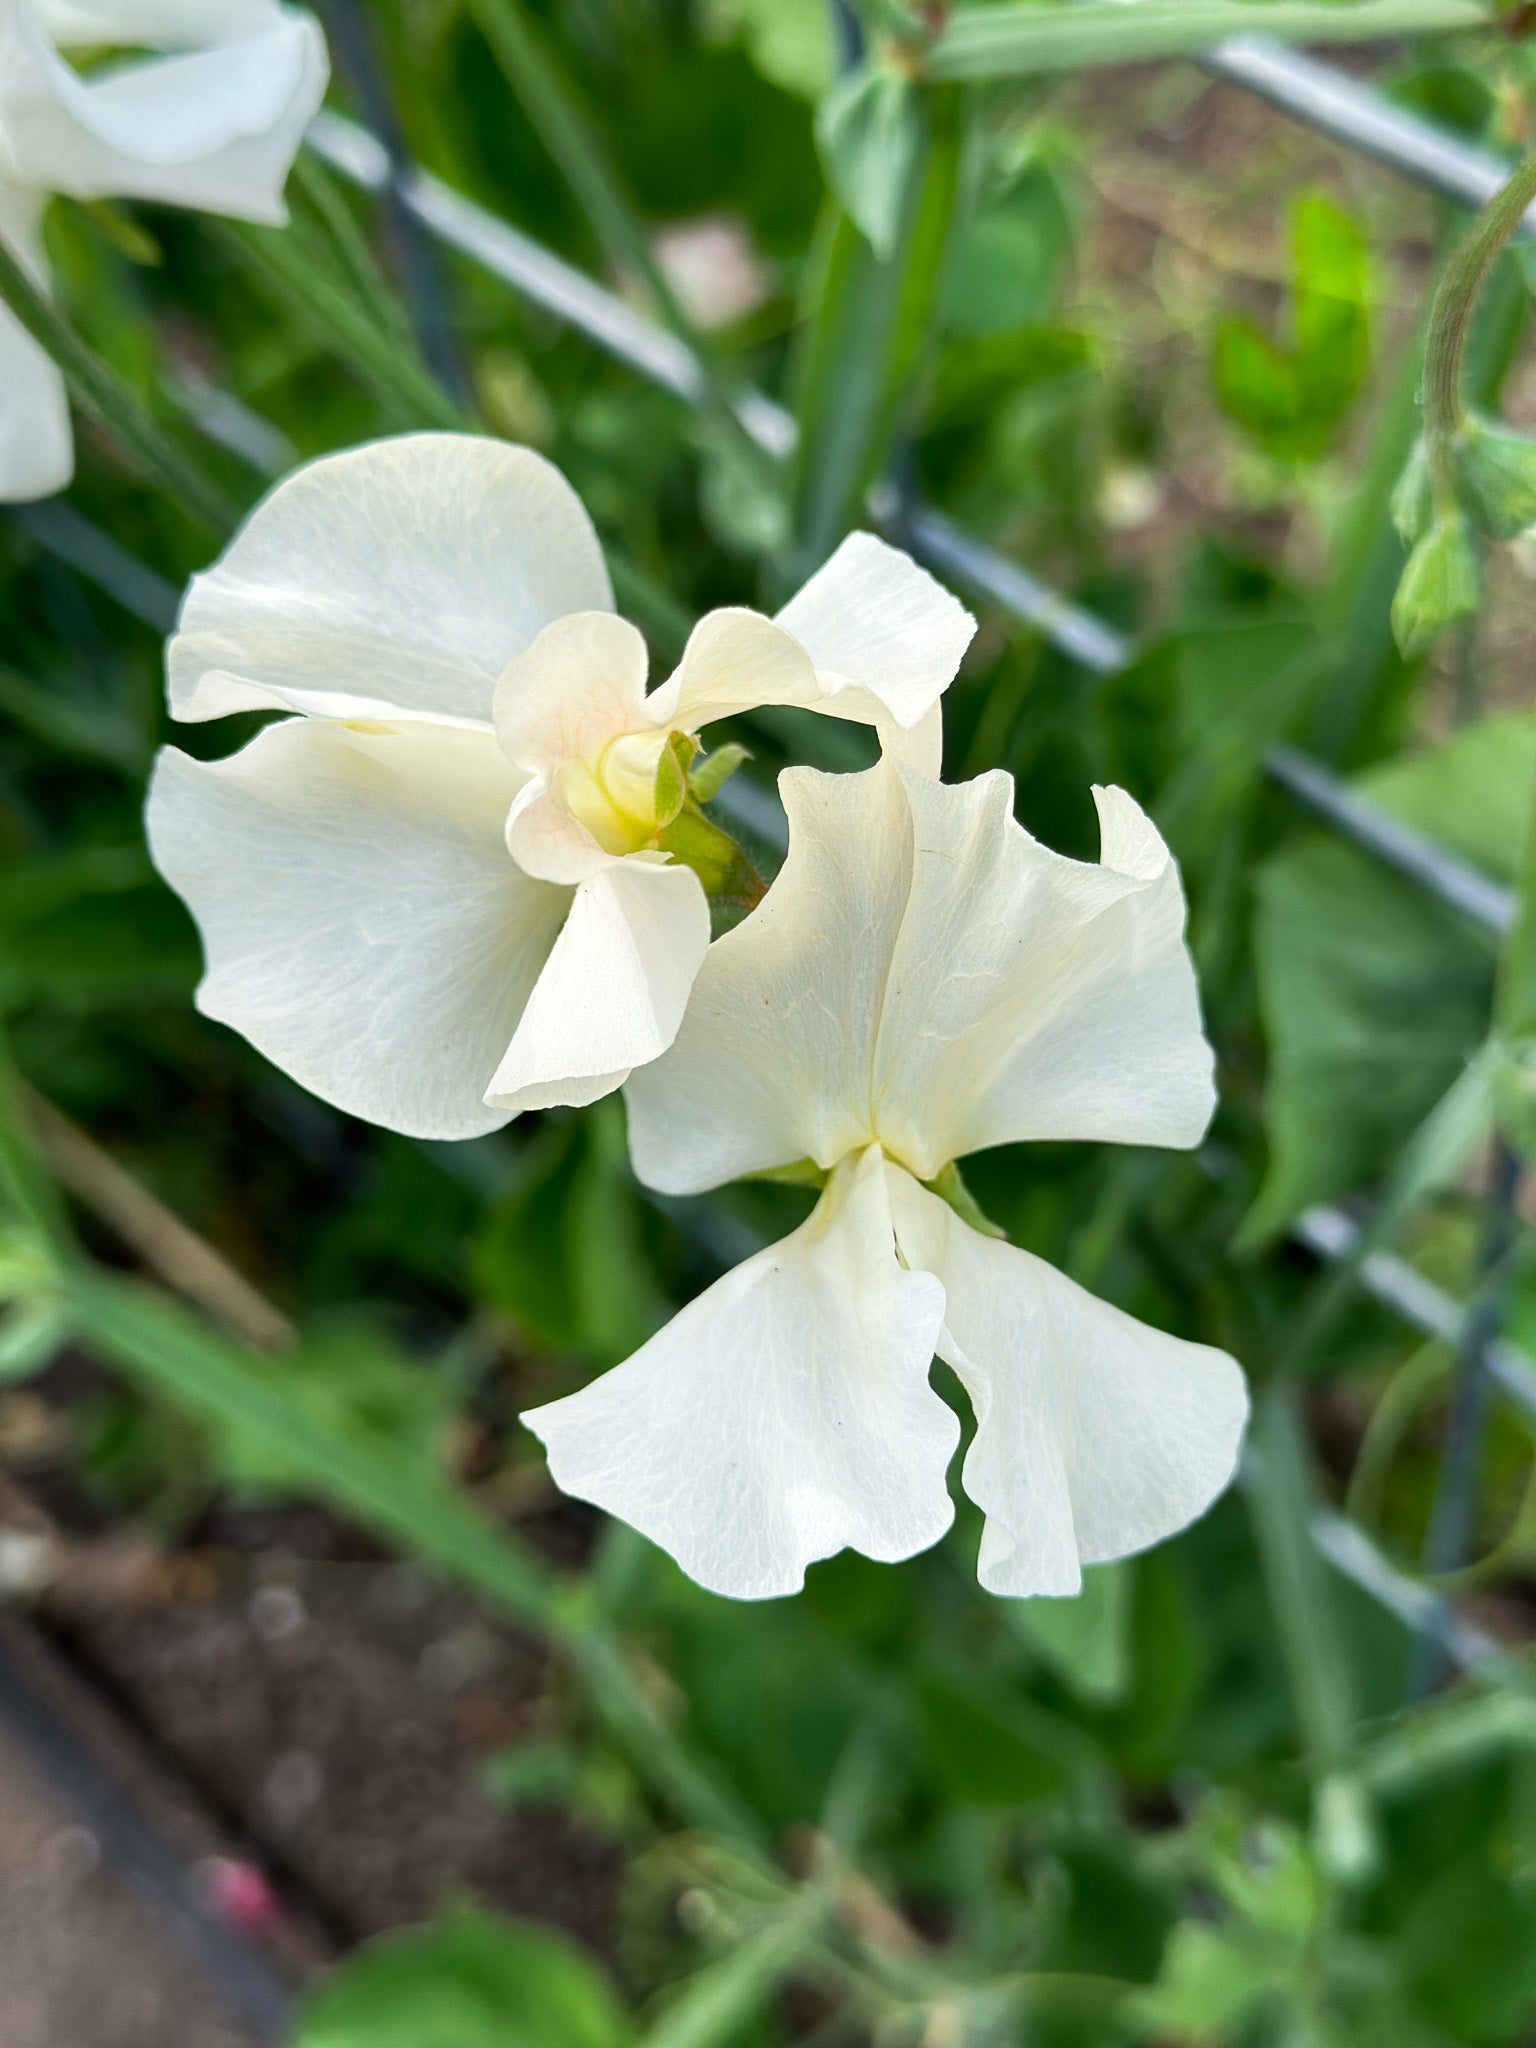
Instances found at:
x=249 y=1983
x=1333 y=1234
x=1444 y=875
x=1351 y=112
x=1351 y=1552
x=560 y=288
x=410 y=252
x=65 y=533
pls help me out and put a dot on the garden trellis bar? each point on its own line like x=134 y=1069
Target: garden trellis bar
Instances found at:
x=1319 y=95
x=1315 y=93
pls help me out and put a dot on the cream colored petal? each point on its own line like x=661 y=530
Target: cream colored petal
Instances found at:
x=1031 y=996
x=215 y=128
x=558 y=705
x=37 y=446
x=578 y=685
x=614 y=989
x=735 y=660
x=396 y=579
x=784 y=1415
x=774 y=1058
x=925 y=973
x=362 y=923
x=152 y=24
x=1096 y=1435
x=872 y=621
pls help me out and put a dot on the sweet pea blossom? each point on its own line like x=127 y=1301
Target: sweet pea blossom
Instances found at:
x=445 y=890
x=210 y=119
x=923 y=980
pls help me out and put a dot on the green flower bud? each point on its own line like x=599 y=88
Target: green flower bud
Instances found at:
x=1413 y=500
x=1496 y=469
x=1440 y=582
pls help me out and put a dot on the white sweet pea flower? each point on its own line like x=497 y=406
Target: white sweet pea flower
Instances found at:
x=208 y=114
x=922 y=980
x=445 y=891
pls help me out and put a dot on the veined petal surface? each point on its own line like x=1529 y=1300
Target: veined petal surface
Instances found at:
x=924 y=973
x=784 y=1415
x=877 y=625
x=215 y=127
x=774 y=1057
x=1035 y=997
x=362 y=922
x=37 y=446
x=1096 y=1435
x=614 y=989
x=395 y=580
x=735 y=660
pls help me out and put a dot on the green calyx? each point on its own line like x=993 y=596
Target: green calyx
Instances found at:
x=685 y=781
x=1496 y=471
x=950 y=1188
x=800 y=1173
x=1440 y=583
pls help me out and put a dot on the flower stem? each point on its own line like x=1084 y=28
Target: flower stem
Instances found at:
x=1450 y=320
x=101 y=393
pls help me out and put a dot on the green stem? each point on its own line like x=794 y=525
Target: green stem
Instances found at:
x=554 y=116
x=100 y=392
x=1450 y=320
x=379 y=359
x=865 y=342
x=173 y=1355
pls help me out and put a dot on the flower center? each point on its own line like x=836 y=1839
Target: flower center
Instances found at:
x=615 y=794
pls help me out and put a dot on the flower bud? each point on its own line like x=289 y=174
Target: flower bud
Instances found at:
x=1496 y=469
x=1413 y=499
x=1439 y=583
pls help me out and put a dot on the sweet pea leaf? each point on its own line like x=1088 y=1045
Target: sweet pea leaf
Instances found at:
x=869 y=128
x=564 y=1251
x=469 y=1980
x=1086 y=1641
x=1373 y=996
x=987 y=1753
x=1008 y=265
x=1291 y=398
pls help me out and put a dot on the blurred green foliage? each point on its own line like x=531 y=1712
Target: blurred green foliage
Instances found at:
x=1136 y=1817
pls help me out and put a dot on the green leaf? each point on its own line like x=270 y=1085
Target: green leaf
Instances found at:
x=468 y=1980
x=861 y=350
x=1086 y=1641
x=1279 y=1493
x=1211 y=1980
x=870 y=132
x=788 y=41
x=1008 y=264
x=1293 y=399
x=96 y=387
x=563 y=1252
x=1373 y=997
x=301 y=273
x=989 y=1754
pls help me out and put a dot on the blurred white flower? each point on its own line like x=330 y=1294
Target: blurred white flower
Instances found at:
x=208 y=115
x=922 y=980
x=435 y=897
